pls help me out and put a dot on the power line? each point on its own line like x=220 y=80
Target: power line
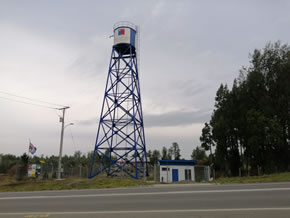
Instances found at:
x=23 y=102
x=31 y=99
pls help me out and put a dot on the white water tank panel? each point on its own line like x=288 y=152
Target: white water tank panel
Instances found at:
x=124 y=35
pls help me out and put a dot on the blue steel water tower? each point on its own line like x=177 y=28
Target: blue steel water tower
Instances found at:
x=120 y=144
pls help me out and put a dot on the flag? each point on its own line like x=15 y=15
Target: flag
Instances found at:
x=32 y=148
x=121 y=32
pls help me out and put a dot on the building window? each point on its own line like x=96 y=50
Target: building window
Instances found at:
x=164 y=169
x=187 y=173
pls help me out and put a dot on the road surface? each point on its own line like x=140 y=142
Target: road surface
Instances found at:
x=189 y=200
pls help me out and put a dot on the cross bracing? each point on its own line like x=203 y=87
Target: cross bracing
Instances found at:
x=120 y=143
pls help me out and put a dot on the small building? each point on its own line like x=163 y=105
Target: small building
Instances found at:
x=177 y=170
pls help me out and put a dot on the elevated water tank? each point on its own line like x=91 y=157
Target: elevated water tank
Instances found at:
x=125 y=37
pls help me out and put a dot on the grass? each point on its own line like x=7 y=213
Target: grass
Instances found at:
x=277 y=177
x=10 y=184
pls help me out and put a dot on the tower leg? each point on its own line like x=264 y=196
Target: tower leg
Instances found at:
x=120 y=143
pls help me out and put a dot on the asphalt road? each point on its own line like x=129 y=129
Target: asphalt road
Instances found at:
x=248 y=200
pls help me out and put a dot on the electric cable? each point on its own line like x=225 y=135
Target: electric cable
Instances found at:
x=31 y=99
x=23 y=102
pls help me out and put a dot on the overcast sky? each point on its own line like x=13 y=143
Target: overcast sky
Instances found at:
x=59 y=51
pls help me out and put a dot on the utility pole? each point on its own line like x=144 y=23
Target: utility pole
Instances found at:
x=61 y=142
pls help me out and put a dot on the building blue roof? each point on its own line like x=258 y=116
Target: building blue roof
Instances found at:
x=177 y=162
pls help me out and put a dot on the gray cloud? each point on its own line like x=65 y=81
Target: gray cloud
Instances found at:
x=88 y=122
x=176 y=118
x=170 y=119
x=188 y=48
x=190 y=87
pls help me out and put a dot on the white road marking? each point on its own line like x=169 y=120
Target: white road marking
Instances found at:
x=142 y=194
x=152 y=211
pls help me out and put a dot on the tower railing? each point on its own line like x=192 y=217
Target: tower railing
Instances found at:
x=124 y=24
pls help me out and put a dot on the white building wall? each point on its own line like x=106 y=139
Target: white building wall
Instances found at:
x=167 y=175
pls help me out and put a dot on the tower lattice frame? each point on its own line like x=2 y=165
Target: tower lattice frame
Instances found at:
x=120 y=142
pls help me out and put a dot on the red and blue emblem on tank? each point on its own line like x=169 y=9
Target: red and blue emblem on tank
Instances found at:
x=121 y=32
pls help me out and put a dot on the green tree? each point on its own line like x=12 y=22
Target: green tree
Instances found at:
x=155 y=156
x=250 y=123
x=174 y=151
x=206 y=140
x=23 y=167
x=149 y=156
x=165 y=155
x=199 y=155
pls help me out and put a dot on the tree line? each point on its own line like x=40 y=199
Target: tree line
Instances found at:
x=17 y=165
x=248 y=131
x=173 y=153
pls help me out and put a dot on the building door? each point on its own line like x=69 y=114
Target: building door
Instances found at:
x=174 y=175
x=187 y=173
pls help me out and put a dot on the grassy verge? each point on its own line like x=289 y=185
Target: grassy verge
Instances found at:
x=277 y=177
x=10 y=184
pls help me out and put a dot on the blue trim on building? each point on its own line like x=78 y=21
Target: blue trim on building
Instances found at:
x=177 y=162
